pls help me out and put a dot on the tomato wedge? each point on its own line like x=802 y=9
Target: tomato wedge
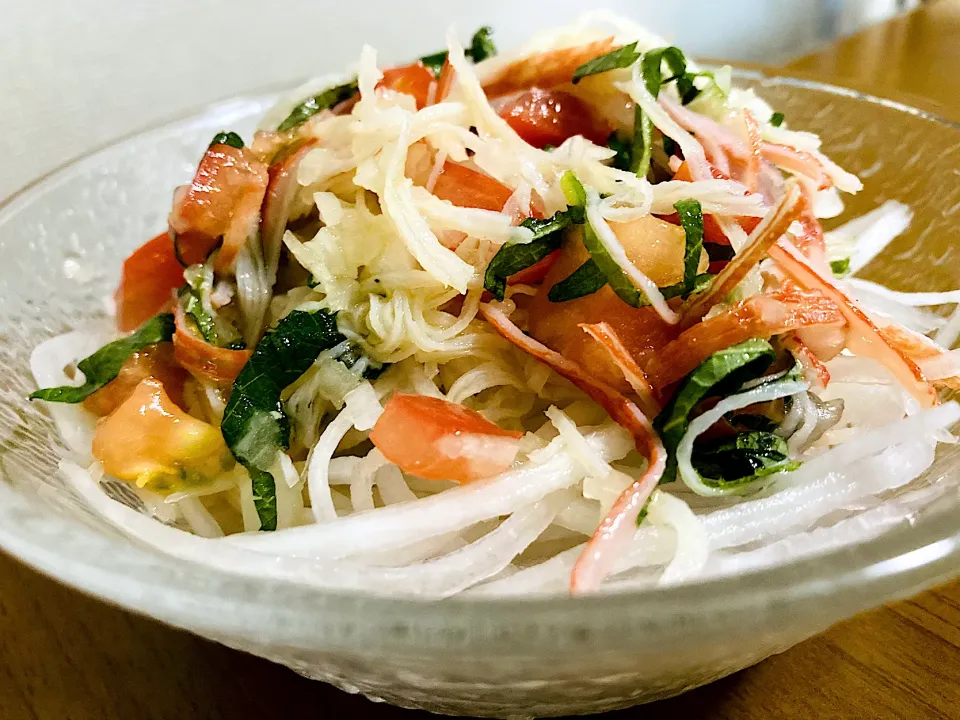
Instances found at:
x=548 y=117
x=223 y=200
x=469 y=188
x=151 y=441
x=154 y=361
x=412 y=80
x=150 y=275
x=440 y=440
x=204 y=361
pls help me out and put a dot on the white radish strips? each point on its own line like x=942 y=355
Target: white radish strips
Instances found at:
x=445 y=512
x=866 y=525
x=837 y=479
x=691 y=538
x=199 y=518
x=440 y=577
x=913 y=299
x=948 y=335
x=871 y=233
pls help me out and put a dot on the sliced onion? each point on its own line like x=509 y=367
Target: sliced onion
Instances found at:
x=318 y=467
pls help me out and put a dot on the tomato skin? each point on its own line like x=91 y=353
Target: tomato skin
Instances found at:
x=469 y=188
x=412 y=80
x=149 y=277
x=439 y=440
x=154 y=361
x=548 y=117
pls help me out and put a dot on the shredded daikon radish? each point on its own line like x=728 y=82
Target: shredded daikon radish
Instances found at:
x=867 y=236
x=444 y=512
x=48 y=362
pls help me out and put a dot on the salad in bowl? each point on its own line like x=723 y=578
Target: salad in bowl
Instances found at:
x=558 y=320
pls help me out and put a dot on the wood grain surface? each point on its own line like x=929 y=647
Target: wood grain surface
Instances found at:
x=63 y=655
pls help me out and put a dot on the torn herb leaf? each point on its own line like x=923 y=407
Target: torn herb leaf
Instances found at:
x=227 y=138
x=481 y=45
x=651 y=67
x=194 y=309
x=514 y=257
x=777 y=119
x=435 y=62
x=104 y=365
x=322 y=101
x=585 y=280
x=841 y=267
x=254 y=425
x=480 y=48
x=691 y=218
x=720 y=374
x=614 y=60
x=622 y=148
x=741 y=460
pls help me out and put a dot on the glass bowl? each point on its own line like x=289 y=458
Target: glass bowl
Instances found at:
x=62 y=240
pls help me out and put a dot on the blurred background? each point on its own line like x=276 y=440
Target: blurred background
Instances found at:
x=75 y=75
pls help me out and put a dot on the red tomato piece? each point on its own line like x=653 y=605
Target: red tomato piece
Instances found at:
x=154 y=361
x=150 y=275
x=440 y=440
x=223 y=200
x=151 y=441
x=548 y=117
x=219 y=366
x=465 y=187
x=412 y=80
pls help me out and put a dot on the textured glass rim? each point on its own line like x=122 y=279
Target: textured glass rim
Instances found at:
x=897 y=563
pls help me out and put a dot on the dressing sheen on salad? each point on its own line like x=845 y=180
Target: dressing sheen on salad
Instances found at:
x=564 y=318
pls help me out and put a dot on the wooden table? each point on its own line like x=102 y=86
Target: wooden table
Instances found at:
x=63 y=655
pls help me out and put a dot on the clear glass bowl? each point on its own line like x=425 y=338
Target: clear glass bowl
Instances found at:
x=62 y=240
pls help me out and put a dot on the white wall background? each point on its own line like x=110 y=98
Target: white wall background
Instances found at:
x=75 y=74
